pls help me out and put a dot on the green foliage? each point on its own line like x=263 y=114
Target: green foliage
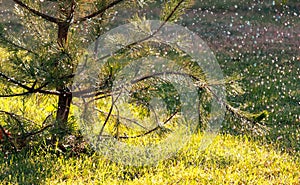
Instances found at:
x=169 y=6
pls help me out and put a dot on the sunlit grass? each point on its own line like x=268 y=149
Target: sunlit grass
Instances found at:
x=227 y=160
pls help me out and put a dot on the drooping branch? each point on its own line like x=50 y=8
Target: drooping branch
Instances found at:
x=202 y=85
x=123 y=118
x=162 y=74
x=234 y=111
x=102 y=10
x=150 y=131
x=38 y=13
x=206 y=87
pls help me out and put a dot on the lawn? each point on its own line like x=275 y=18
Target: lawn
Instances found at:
x=228 y=160
x=252 y=42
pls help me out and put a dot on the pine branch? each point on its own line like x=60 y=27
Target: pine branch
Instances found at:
x=9 y=43
x=22 y=138
x=17 y=117
x=102 y=10
x=30 y=90
x=160 y=27
x=16 y=82
x=35 y=12
x=124 y=118
x=150 y=131
x=162 y=74
x=237 y=112
x=151 y=35
x=14 y=95
x=109 y=113
x=37 y=132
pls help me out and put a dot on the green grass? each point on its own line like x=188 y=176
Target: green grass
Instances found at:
x=270 y=71
x=228 y=160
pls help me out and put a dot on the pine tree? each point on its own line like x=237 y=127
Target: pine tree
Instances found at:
x=46 y=40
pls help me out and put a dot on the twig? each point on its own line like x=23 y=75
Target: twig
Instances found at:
x=109 y=113
x=37 y=132
x=85 y=93
x=14 y=81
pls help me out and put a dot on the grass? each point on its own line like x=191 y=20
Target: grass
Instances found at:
x=267 y=61
x=270 y=77
x=228 y=160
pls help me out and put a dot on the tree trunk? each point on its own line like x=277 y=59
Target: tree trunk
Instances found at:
x=63 y=110
x=65 y=97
